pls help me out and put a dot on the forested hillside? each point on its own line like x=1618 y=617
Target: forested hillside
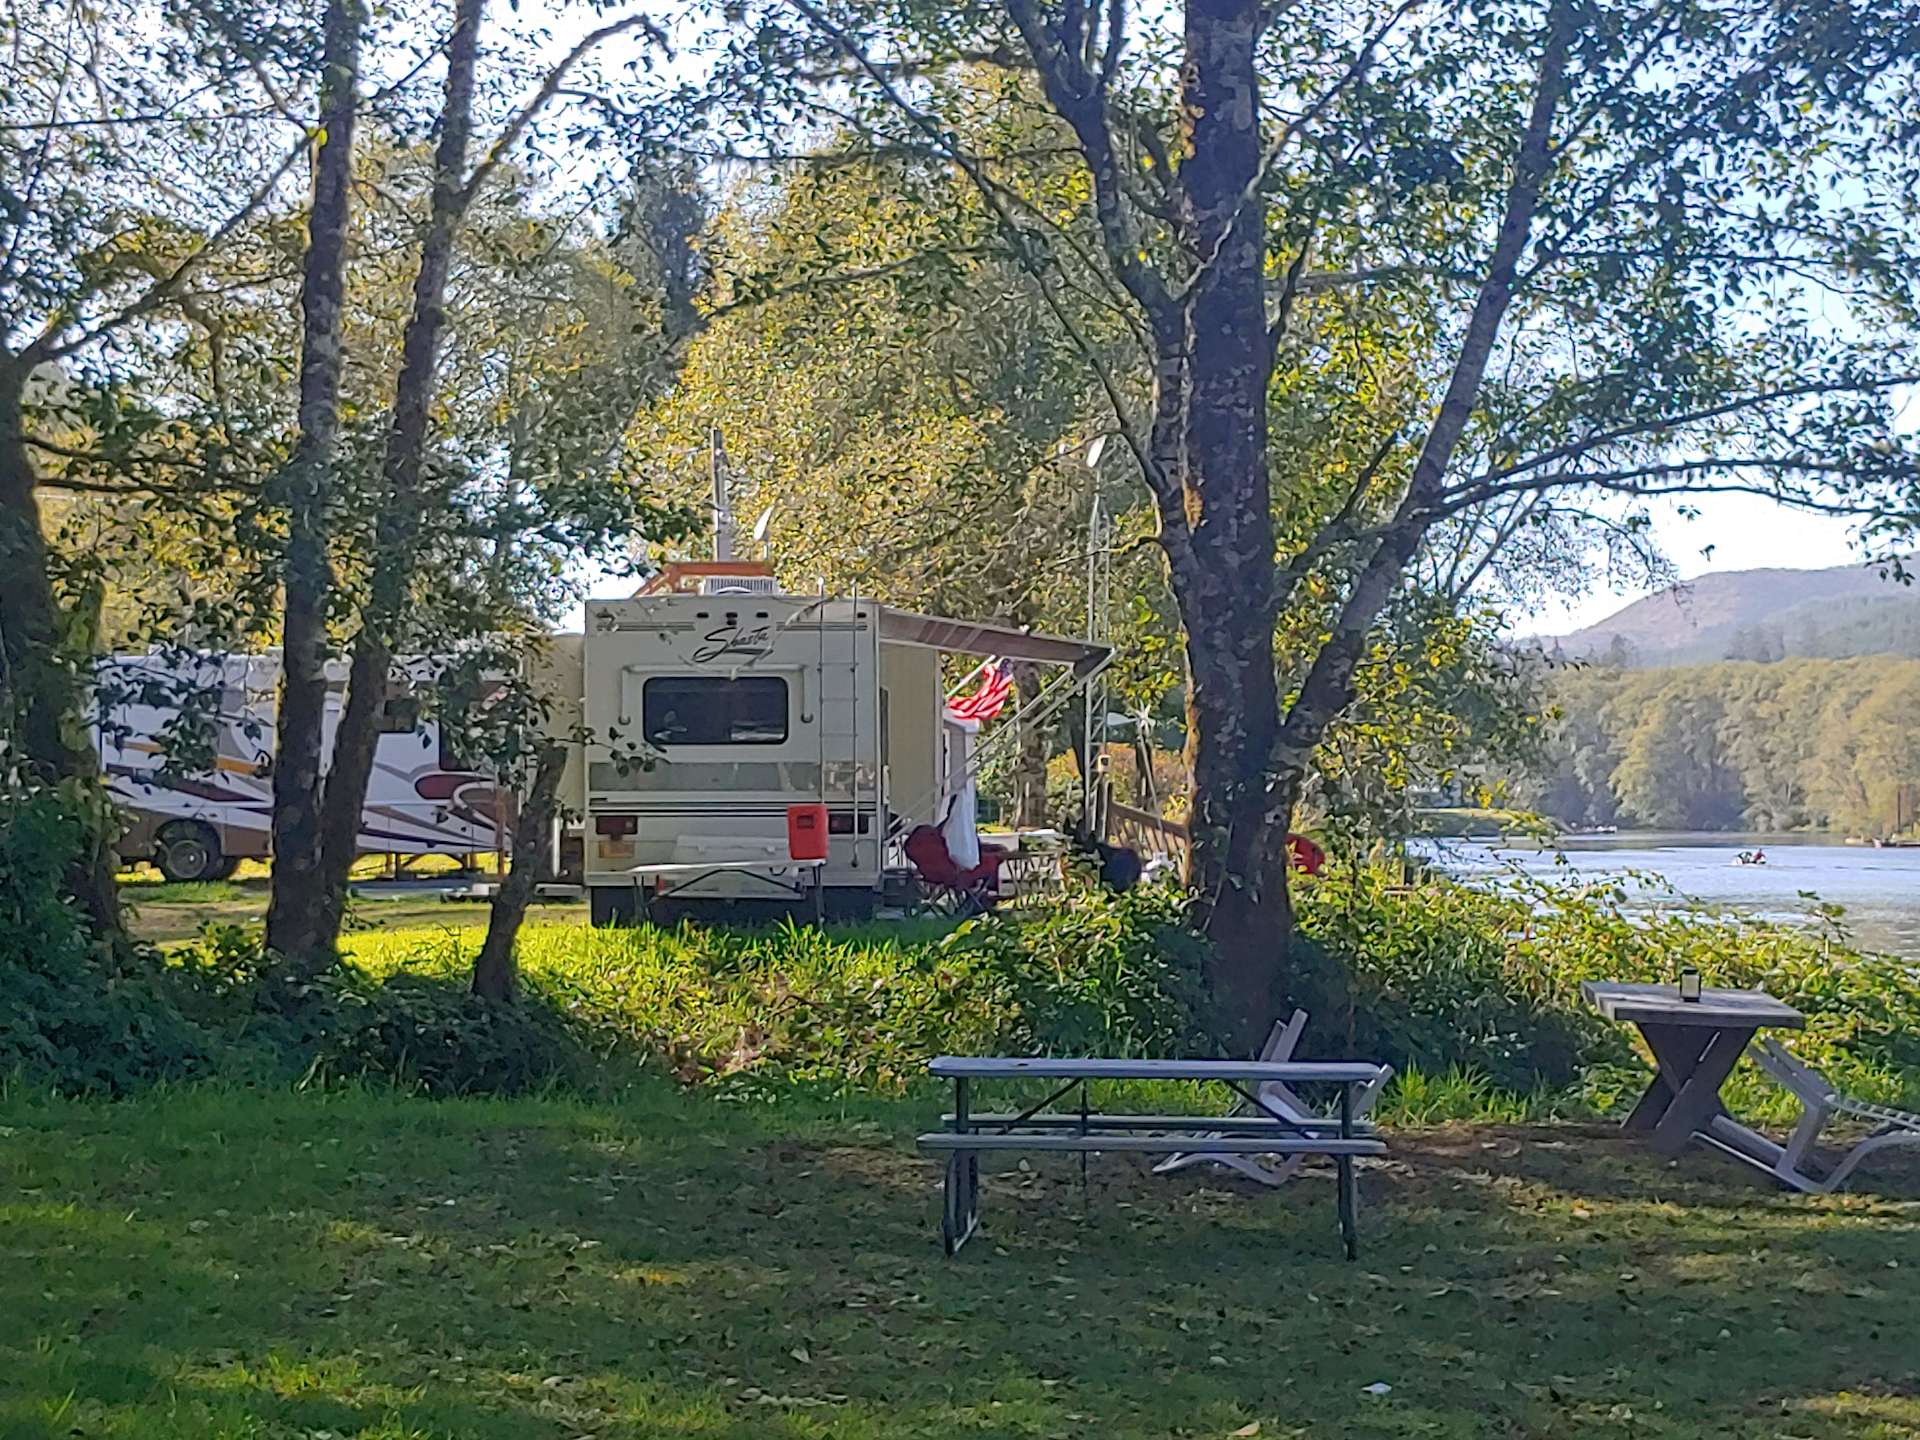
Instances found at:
x=1813 y=743
x=1757 y=615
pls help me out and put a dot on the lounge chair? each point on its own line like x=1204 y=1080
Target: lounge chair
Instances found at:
x=1820 y=1101
x=1283 y=1103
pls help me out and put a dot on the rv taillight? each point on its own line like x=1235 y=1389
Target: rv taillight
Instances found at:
x=616 y=824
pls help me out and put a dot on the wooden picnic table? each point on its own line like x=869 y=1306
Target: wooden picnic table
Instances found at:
x=1256 y=1129
x=1695 y=1045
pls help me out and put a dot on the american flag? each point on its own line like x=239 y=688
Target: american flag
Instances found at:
x=996 y=685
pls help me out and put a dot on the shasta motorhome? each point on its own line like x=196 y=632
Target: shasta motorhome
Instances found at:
x=713 y=718
x=197 y=818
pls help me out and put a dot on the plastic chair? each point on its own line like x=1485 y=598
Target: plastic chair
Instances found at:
x=1283 y=1102
x=1820 y=1101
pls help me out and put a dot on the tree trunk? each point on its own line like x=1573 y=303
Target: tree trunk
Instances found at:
x=1030 y=764
x=396 y=531
x=41 y=693
x=295 y=915
x=1223 y=569
x=494 y=972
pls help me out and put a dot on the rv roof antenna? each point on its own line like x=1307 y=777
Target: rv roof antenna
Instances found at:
x=722 y=502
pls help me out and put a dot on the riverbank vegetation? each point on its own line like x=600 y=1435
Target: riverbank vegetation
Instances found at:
x=1788 y=745
x=1471 y=993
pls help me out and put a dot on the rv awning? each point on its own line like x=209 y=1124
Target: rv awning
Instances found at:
x=969 y=637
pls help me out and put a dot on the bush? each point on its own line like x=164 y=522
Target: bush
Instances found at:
x=1476 y=989
x=862 y=1008
x=1442 y=975
x=75 y=1014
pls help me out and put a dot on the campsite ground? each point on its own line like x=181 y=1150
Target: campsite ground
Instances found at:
x=165 y=913
x=219 y=1262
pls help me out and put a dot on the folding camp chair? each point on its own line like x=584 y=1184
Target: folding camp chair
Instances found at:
x=1283 y=1103
x=951 y=888
x=1820 y=1101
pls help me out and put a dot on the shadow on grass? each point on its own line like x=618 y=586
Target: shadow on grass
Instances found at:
x=216 y=1263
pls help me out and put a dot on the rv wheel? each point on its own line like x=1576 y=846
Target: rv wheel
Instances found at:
x=187 y=850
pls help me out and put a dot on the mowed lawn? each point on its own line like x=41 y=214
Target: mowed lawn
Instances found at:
x=166 y=913
x=219 y=1263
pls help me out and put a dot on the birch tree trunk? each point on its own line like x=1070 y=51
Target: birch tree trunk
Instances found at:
x=397 y=528
x=296 y=927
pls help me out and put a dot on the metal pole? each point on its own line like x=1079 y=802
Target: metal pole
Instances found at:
x=1089 y=746
x=722 y=500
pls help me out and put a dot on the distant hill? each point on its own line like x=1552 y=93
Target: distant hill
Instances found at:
x=1758 y=615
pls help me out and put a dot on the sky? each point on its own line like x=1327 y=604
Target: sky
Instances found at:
x=1729 y=532
x=1743 y=532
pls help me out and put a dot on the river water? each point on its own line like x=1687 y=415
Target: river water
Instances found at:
x=1879 y=889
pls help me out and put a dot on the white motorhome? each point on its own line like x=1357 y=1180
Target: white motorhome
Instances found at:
x=713 y=716
x=199 y=822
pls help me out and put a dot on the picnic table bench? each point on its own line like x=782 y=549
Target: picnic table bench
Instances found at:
x=1256 y=1128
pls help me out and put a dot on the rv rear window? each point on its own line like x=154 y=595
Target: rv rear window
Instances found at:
x=714 y=710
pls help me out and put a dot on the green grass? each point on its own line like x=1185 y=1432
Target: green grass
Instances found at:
x=167 y=913
x=186 y=892
x=218 y=1263
x=1460 y=821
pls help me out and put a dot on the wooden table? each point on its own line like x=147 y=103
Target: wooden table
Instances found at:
x=1257 y=1129
x=1695 y=1044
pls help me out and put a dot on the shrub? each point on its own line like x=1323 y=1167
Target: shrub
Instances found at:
x=1441 y=975
x=861 y=1008
x=76 y=1015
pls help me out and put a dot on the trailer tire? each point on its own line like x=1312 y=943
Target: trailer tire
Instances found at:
x=612 y=905
x=186 y=851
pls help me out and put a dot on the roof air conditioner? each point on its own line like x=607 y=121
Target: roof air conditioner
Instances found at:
x=739 y=585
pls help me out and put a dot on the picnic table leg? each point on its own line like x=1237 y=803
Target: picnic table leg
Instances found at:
x=1349 y=1198
x=960 y=1190
x=1676 y=1053
x=1696 y=1100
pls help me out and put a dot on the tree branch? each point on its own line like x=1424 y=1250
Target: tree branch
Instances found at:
x=1329 y=681
x=517 y=126
x=1080 y=97
x=1142 y=452
x=1573 y=448
x=45 y=347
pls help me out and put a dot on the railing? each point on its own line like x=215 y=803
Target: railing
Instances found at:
x=1146 y=834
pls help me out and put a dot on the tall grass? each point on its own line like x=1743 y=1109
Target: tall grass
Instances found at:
x=849 y=1008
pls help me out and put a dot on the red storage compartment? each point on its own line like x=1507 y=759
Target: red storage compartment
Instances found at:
x=807 y=832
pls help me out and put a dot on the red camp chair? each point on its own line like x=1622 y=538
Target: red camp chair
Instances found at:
x=1305 y=856
x=949 y=886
